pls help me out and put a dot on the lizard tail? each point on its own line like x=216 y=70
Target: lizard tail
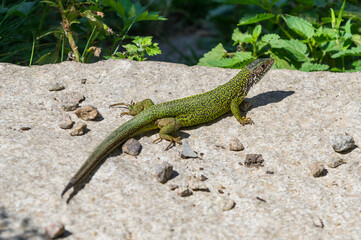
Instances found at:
x=108 y=145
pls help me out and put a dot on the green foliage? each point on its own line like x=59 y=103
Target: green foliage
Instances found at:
x=255 y=19
x=87 y=29
x=299 y=43
x=137 y=50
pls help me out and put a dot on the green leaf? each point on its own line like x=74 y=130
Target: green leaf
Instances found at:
x=239 y=37
x=333 y=18
x=356 y=39
x=358 y=68
x=243 y=58
x=94 y=21
x=218 y=57
x=254 y=19
x=339 y=17
x=355 y=51
x=330 y=46
x=153 y=50
x=131 y=48
x=25 y=8
x=215 y=54
x=148 y=16
x=300 y=26
x=142 y=41
x=297 y=48
x=119 y=7
x=310 y=67
x=281 y=62
x=356 y=63
x=324 y=35
x=239 y=60
x=256 y=32
x=270 y=37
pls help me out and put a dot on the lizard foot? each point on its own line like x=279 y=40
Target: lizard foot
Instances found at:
x=127 y=106
x=245 y=121
x=171 y=140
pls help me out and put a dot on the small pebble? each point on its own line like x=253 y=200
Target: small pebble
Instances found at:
x=187 y=151
x=65 y=122
x=335 y=162
x=342 y=142
x=70 y=101
x=227 y=204
x=197 y=185
x=260 y=199
x=132 y=147
x=318 y=222
x=236 y=145
x=173 y=187
x=254 y=160
x=78 y=129
x=56 y=86
x=25 y=128
x=202 y=177
x=220 y=146
x=317 y=169
x=163 y=172
x=55 y=229
x=184 y=192
x=87 y=113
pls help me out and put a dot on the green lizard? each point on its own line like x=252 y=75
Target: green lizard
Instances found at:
x=172 y=115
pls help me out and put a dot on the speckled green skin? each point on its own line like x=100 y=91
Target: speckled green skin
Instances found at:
x=172 y=115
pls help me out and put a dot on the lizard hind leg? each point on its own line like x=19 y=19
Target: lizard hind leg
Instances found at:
x=167 y=127
x=135 y=108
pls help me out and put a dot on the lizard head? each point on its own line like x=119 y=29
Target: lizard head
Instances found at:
x=257 y=69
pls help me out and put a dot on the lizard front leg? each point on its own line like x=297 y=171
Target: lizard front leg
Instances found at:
x=135 y=108
x=237 y=113
x=168 y=126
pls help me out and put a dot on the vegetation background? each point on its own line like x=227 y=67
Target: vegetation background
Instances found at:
x=310 y=35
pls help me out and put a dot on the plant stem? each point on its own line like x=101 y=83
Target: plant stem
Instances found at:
x=32 y=50
x=66 y=26
x=87 y=45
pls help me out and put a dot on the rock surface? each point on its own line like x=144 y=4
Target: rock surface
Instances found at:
x=295 y=114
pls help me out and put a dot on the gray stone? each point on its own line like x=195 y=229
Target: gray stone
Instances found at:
x=317 y=222
x=187 y=151
x=317 y=169
x=294 y=114
x=70 y=101
x=197 y=185
x=56 y=86
x=335 y=162
x=227 y=204
x=132 y=147
x=342 y=142
x=65 y=122
x=163 y=172
x=184 y=192
x=78 y=129
x=87 y=113
x=254 y=160
x=236 y=145
x=55 y=229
